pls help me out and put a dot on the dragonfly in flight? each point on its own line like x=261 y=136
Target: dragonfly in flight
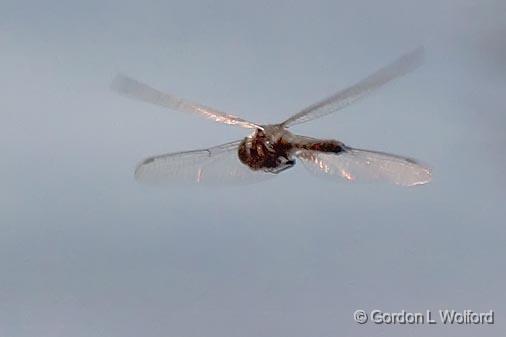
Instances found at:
x=271 y=149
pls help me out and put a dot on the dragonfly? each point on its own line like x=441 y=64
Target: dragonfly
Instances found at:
x=271 y=149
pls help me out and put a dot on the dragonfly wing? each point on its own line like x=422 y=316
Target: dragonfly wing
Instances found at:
x=129 y=87
x=343 y=98
x=362 y=165
x=213 y=166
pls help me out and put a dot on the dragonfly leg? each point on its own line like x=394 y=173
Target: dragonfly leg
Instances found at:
x=285 y=166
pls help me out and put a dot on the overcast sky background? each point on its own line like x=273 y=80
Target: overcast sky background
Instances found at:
x=86 y=251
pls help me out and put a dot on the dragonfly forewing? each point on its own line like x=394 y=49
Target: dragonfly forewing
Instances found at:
x=345 y=97
x=137 y=90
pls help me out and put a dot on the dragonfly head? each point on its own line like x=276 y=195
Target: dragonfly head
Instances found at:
x=262 y=151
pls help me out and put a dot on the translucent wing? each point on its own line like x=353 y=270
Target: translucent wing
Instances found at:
x=216 y=165
x=345 y=97
x=137 y=90
x=362 y=165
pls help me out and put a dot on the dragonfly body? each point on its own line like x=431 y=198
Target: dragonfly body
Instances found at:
x=271 y=149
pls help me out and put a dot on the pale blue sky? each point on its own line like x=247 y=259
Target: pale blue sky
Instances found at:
x=86 y=251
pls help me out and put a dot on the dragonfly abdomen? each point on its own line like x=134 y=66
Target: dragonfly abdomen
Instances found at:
x=331 y=145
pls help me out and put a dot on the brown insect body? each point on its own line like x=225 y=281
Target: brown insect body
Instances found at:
x=272 y=149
